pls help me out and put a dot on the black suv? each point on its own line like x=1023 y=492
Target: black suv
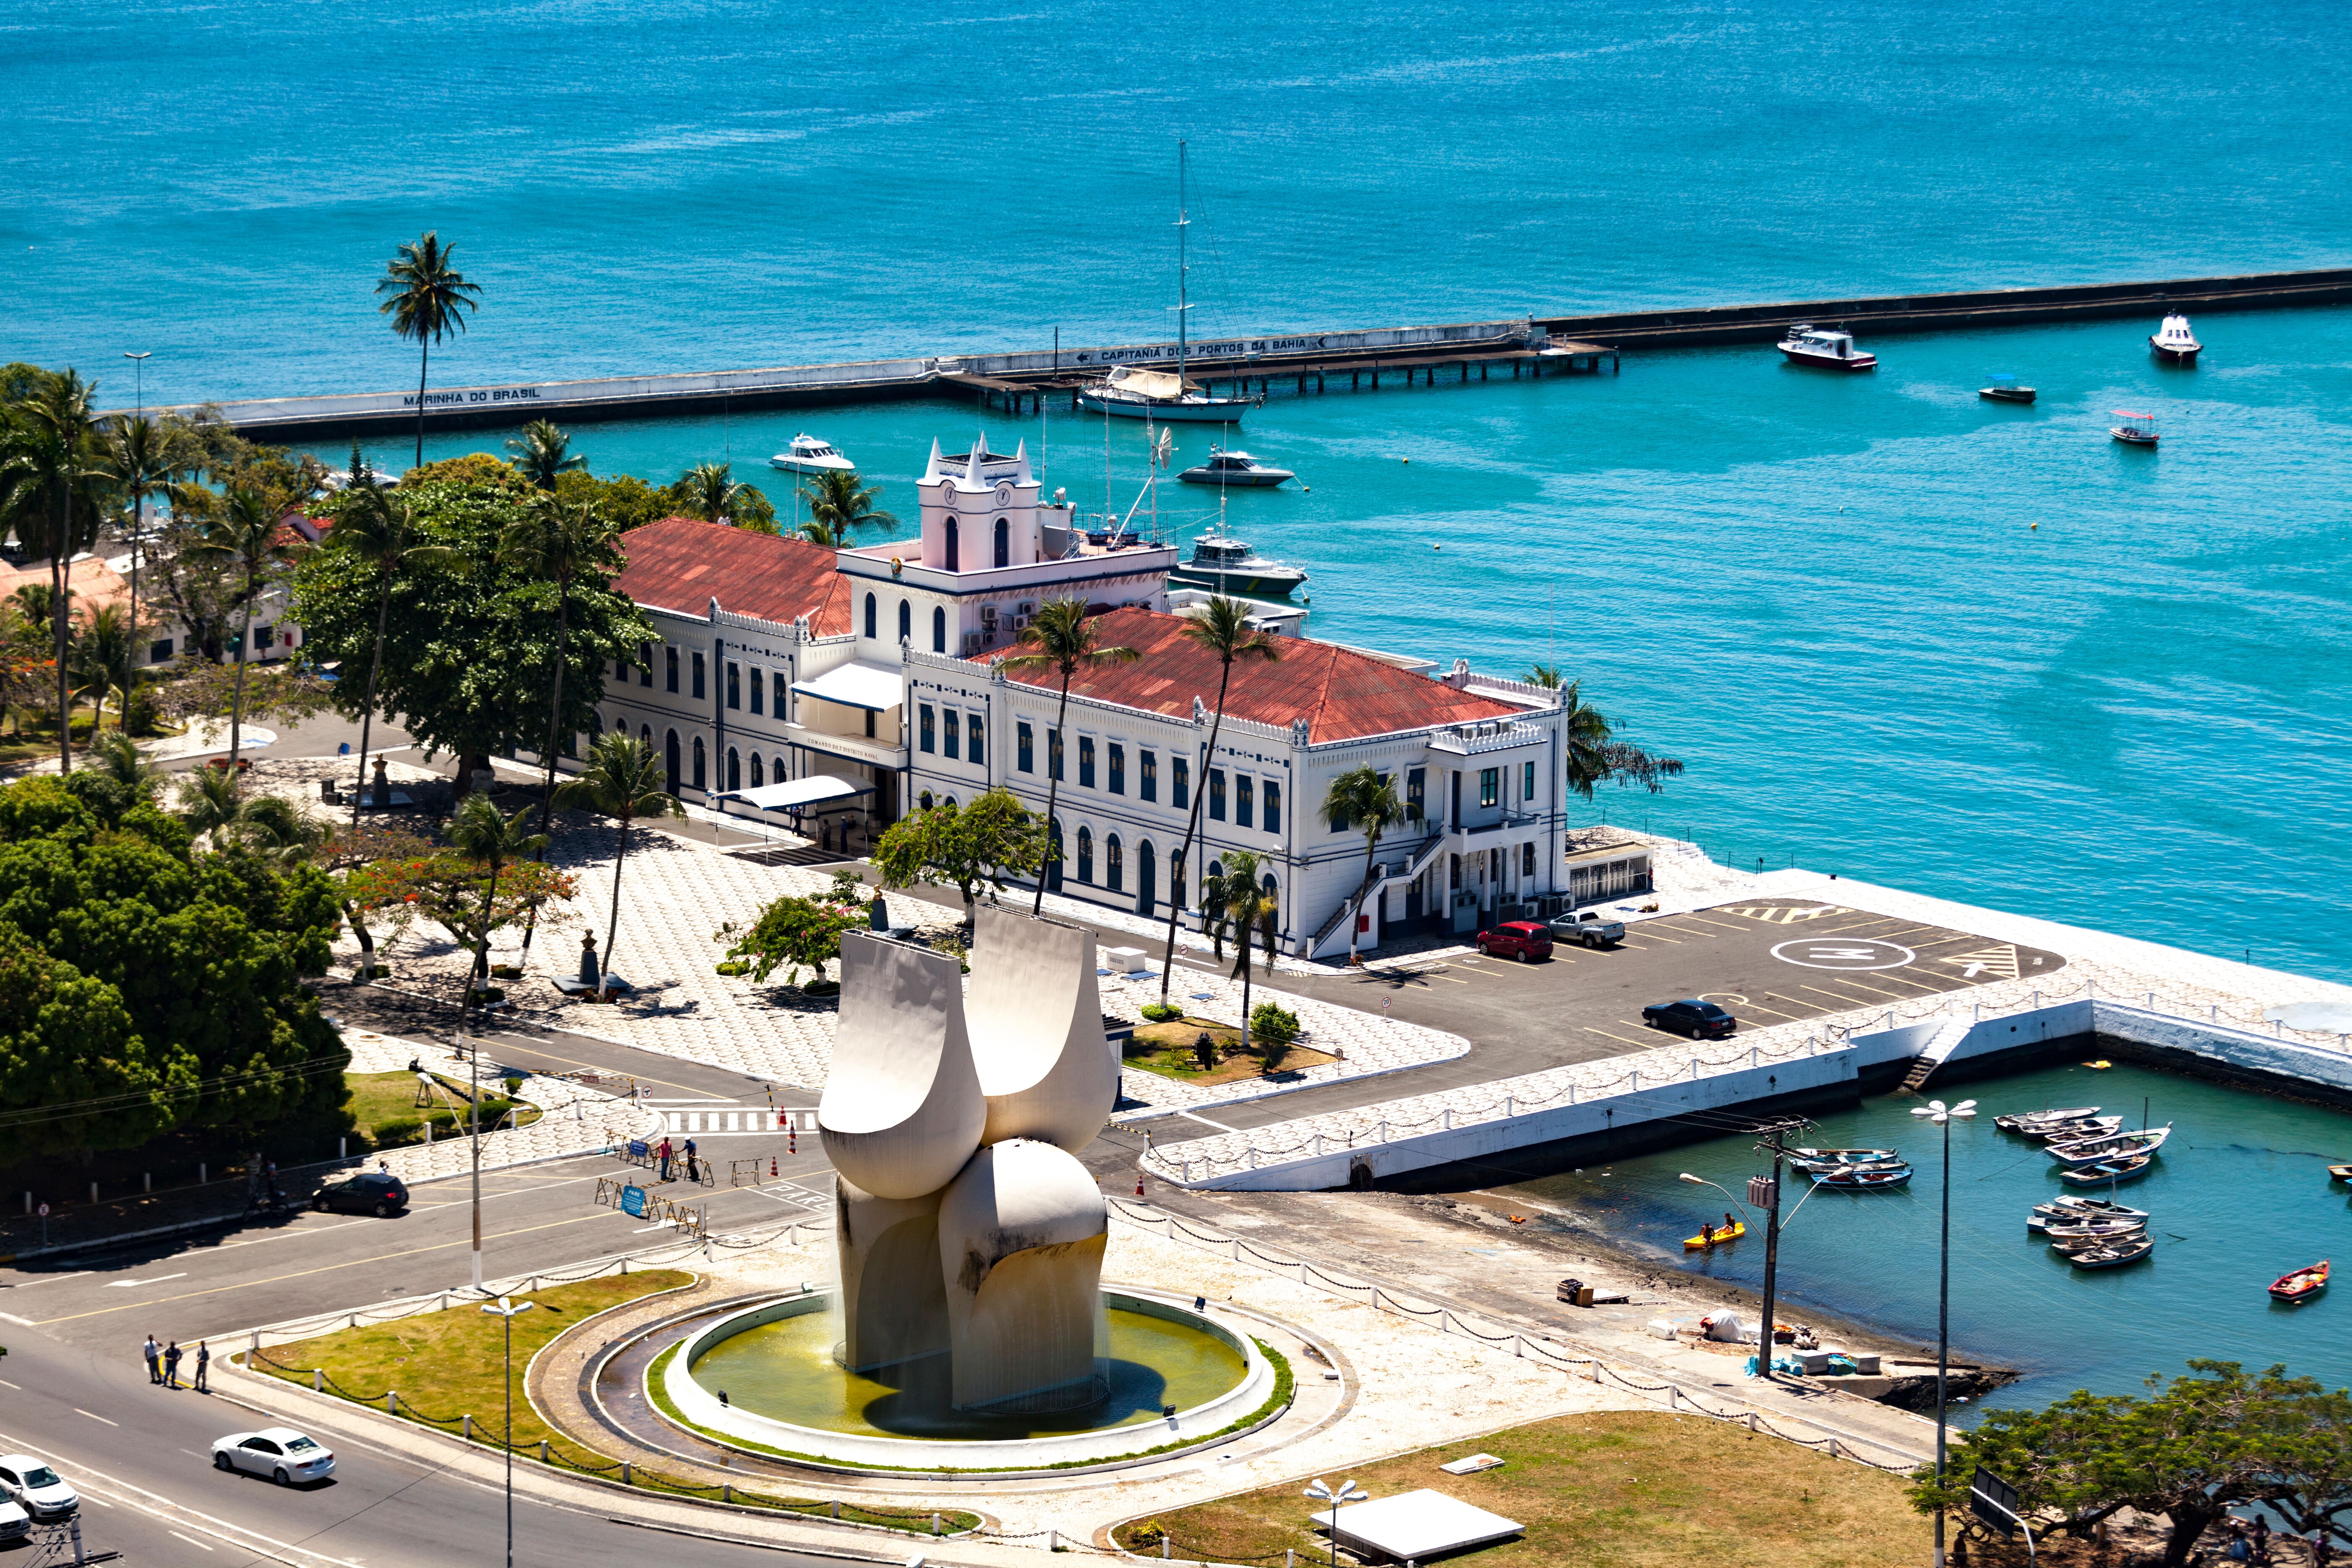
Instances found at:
x=1699 y=1020
x=369 y=1192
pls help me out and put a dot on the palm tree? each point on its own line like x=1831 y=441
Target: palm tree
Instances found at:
x=1594 y=754
x=51 y=450
x=211 y=802
x=119 y=758
x=1223 y=628
x=623 y=780
x=383 y=532
x=544 y=454
x=1366 y=798
x=141 y=461
x=428 y=297
x=1060 y=637
x=249 y=536
x=708 y=491
x=1239 y=900
x=1544 y=674
x=278 y=830
x=104 y=646
x=840 y=503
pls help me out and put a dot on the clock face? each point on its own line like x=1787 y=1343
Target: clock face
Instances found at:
x=1004 y=492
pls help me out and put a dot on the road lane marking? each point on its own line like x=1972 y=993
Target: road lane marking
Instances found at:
x=189 y=1539
x=1760 y=1007
x=6 y=1384
x=155 y=1280
x=1812 y=1009
x=51 y=1278
x=1606 y=1036
x=1848 y=1003
x=80 y=1410
x=12 y=1318
x=1643 y=929
x=1206 y=1123
x=1719 y=925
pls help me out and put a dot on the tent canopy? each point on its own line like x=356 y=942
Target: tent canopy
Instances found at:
x=794 y=794
x=868 y=686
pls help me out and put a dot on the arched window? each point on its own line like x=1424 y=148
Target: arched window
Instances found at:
x=1053 y=856
x=938 y=630
x=925 y=800
x=645 y=736
x=1003 y=542
x=905 y=620
x=671 y=780
x=776 y=769
x=1147 y=869
x=951 y=803
x=734 y=769
x=701 y=773
x=954 y=545
x=1114 y=864
x=759 y=774
x=869 y=616
x=1085 y=854
x=595 y=726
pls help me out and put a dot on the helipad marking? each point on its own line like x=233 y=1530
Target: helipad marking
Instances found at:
x=1847 y=952
x=1784 y=915
x=2000 y=962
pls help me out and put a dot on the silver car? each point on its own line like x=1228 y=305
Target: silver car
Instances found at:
x=15 y=1522
x=281 y=1453
x=34 y=1487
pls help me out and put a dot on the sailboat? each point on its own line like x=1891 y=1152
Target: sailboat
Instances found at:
x=1138 y=392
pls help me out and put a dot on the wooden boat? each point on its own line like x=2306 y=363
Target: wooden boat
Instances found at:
x=2070 y=1210
x=2340 y=1173
x=2074 y=1132
x=1705 y=1243
x=2092 y=1229
x=1814 y=1162
x=2114 y=1255
x=2136 y=429
x=2107 y=1171
x=1865 y=1177
x=2004 y=389
x=2120 y=1146
x=2025 y=1121
x=2303 y=1284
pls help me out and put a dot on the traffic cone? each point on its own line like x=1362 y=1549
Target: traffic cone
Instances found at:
x=1138 y=1187
x=771 y=1164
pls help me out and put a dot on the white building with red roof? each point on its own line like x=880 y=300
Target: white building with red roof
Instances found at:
x=847 y=687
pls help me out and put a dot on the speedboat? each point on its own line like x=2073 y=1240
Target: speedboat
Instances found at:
x=2114 y=1254
x=2107 y=1171
x=2136 y=429
x=1808 y=344
x=2303 y=1284
x=2026 y=1120
x=2004 y=389
x=2120 y=1146
x=1237 y=469
x=2174 y=342
x=1225 y=564
x=807 y=455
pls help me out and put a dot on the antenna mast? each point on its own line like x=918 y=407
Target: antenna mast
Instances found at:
x=1182 y=267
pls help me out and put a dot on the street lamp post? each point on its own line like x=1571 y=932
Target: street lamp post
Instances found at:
x=1323 y=1492
x=510 y=1311
x=1942 y=1116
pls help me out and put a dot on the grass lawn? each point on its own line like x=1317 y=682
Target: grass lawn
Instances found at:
x=1619 y=1489
x=1167 y=1049
x=383 y=1106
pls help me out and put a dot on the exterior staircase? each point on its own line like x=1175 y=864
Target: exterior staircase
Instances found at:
x=1416 y=860
x=1937 y=1050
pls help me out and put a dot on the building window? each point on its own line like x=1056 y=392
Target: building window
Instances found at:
x=1417 y=792
x=776 y=769
x=621 y=670
x=1526 y=859
x=1085 y=854
x=1528 y=780
x=924 y=800
x=701 y=773
x=734 y=770
x=869 y=616
x=1490 y=786
x=1216 y=795
x=1244 y=800
x=906 y=621
x=595 y=725
x=955 y=548
x=978 y=751
x=1181 y=783
x=669 y=670
x=734 y=684
x=1054 y=753
x=1054 y=854
x=1025 y=747
x=1003 y=542
x=160 y=651
x=645 y=736
x=1273 y=806
x=759 y=689
x=950 y=743
x=759 y=774
x=870 y=725
x=1086 y=761
x=700 y=686
x=939 y=628
x=646 y=665
x=1148 y=786
x=1114 y=864
x=1118 y=768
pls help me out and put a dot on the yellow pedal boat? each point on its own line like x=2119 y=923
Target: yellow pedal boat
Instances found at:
x=1702 y=1243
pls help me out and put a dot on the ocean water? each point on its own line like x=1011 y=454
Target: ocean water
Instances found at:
x=2239 y=1197
x=1896 y=632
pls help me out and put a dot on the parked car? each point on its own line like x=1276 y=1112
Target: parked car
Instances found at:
x=15 y=1522
x=1526 y=941
x=1699 y=1020
x=281 y=1453
x=369 y=1192
x=38 y=1490
x=1589 y=929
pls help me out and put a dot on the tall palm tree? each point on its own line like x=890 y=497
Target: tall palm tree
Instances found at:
x=1061 y=638
x=552 y=540
x=211 y=802
x=1239 y=900
x=382 y=530
x=840 y=503
x=141 y=461
x=708 y=491
x=494 y=842
x=248 y=536
x=119 y=758
x=1544 y=674
x=427 y=298
x=104 y=646
x=623 y=780
x=1223 y=628
x=1595 y=754
x=52 y=462
x=1365 y=798
x=544 y=454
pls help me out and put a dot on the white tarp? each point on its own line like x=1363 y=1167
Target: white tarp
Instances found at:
x=794 y=793
x=874 y=687
x=1420 y=1525
x=1163 y=383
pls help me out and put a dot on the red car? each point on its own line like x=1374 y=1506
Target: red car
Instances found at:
x=1526 y=941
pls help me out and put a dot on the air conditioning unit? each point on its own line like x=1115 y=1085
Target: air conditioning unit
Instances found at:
x=988 y=615
x=1024 y=610
x=972 y=642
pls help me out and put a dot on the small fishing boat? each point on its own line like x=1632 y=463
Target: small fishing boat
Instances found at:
x=2340 y=1173
x=2004 y=389
x=2114 y=1255
x=2174 y=342
x=1808 y=344
x=1717 y=1238
x=2092 y=1229
x=1238 y=471
x=2107 y=1171
x=2074 y=1132
x=1865 y=1177
x=2069 y=1210
x=2136 y=429
x=2026 y=1120
x=1829 y=1158
x=807 y=455
x=2303 y=1284
x=2118 y=1146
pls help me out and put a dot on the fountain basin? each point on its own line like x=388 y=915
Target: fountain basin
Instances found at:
x=786 y=1392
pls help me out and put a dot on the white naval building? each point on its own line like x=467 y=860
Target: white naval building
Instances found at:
x=849 y=687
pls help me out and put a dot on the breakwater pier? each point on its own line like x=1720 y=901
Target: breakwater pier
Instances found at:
x=1298 y=364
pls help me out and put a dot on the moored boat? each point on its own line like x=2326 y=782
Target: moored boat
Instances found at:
x=1224 y=564
x=1865 y=1177
x=1829 y=1158
x=2093 y=1229
x=2068 y=1209
x=1808 y=344
x=2117 y=1146
x=1715 y=1237
x=804 y=454
x=2303 y=1284
x=2174 y=341
x=1236 y=470
x=2340 y=1173
x=2004 y=389
x=2136 y=429
x=2107 y=1171
x=2113 y=1255
x=2025 y=1121
x=2074 y=1132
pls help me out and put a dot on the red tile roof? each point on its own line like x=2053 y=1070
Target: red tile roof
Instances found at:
x=1342 y=695
x=681 y=563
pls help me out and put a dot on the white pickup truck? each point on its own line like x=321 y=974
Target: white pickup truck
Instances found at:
x=1589 y=929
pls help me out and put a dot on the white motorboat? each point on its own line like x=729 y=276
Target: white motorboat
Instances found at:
x=807 y=455
x=1224 y=564
x=2174 y=341
x=1237 y=469
x=1808 y=344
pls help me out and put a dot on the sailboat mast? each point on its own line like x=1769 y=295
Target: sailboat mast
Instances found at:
x=1183 y=308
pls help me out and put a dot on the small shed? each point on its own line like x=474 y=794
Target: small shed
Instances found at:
x=1612 y=871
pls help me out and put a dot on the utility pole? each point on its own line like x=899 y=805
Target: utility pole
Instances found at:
x=1769 y=1200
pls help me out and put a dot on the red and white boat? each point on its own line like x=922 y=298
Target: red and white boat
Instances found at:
x=2136 y=429
x=2303 y=1284
x=1808 y=344
x=2174 y=341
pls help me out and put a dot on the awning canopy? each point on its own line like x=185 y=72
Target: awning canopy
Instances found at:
x=794 y=793
x=873 y=687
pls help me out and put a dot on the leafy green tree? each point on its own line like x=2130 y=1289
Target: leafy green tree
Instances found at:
x=1062 y=638
x=105 y=648
x=624 y=500
x=494 y=842
x=250 y=538
x=623 y=779
x=795 y=932
x=840 y=503
x=964 y=846
x=1365 y=798
x=50 y=467
x=427 y=298
x=1223 y=629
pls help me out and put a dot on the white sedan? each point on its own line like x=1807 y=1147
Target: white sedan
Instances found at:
x=34 y=1487
x=281 y=1453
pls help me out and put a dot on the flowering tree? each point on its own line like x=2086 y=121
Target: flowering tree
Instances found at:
x=448 y=889
x=796 y=933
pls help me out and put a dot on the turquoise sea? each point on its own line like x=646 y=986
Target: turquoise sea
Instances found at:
x=1896 y=633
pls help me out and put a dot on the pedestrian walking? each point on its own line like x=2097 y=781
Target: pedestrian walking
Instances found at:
x=692 y=1174
x=153 y=1351
x=171 y=1365
x=2262 y=1538
x=203 y=1366
x=663 y=1153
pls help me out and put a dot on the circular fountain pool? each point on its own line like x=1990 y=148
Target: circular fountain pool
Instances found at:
x=783 y=1390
